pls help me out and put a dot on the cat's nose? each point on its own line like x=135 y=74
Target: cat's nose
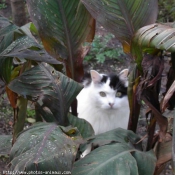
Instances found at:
x=111 y=104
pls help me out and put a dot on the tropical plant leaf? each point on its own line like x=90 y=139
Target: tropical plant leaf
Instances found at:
x=51 y=89
x=69 y=25
x=123 y=18
x=156 y=36
x=26 y=48
x=18 y=42
x=118 y=135
x=5 y=144
x=115 y=159
x=45 y=147
x=109 y=159
x=83 y=126
x=146 y=162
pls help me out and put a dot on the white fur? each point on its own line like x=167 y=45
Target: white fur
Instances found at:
x=97 y=111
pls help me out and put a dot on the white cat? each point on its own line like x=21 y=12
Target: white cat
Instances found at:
x=103 y=101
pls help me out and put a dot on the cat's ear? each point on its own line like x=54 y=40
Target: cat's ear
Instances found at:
x=124 y=76
x=95 y=76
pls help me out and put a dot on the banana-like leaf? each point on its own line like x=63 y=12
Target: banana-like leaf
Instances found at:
x=63 y=27
x=49 y=88
x=123 y=18
x=83 y=126
x=45 y=147
x=157 y=36
x=18 y=42
x=115 y=159
x=118 y=135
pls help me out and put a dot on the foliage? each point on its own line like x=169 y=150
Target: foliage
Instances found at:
x=52 y=92
x=3 y=5
x=68 y=26
x=100 y=50
x=166 y=11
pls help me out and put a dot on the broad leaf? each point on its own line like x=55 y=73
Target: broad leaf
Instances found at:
x=146 y=162
x=123 y=18
x=156 y=36
x=45 y=147
x=118 y=135
x=69 y=25
x=27 y=48
x=83 y=126
x=115 y=159
x=49 y=88
x=19 y=42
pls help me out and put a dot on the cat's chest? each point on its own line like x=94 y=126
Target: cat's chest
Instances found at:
x=103 y=121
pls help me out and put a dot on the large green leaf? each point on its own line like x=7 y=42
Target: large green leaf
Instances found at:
x=123 y=18
x=63 y=27
x=83 y=126
x=45 y=147
x=27 y=48
x=18 y=42
x=51 y=89
x=118 y=135
x=156 y=36
x=115 y=159
x=109 y=159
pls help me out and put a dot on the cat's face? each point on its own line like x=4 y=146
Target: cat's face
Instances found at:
x=109 y=91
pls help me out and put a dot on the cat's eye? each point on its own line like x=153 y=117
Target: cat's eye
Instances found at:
x=103 y=94
x=118 y=94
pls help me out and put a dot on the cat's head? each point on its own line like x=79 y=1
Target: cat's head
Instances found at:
x=109 y=91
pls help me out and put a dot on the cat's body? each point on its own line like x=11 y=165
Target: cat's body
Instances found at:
x=103 y=102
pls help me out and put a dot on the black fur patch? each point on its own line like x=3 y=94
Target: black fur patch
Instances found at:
x=115 y=83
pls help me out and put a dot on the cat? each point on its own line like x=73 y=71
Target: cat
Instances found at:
x=103 y=101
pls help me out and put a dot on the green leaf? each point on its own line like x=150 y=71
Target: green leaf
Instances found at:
x=156 y=36
x=44 y=147
x=146 y=162
x=116 y=152
x=27 y=48
x=109 y=159
x=83 y=126
x=118 y=135
x=123 y=18
x=18 y=42
x=49 y=88
x=69 y=25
